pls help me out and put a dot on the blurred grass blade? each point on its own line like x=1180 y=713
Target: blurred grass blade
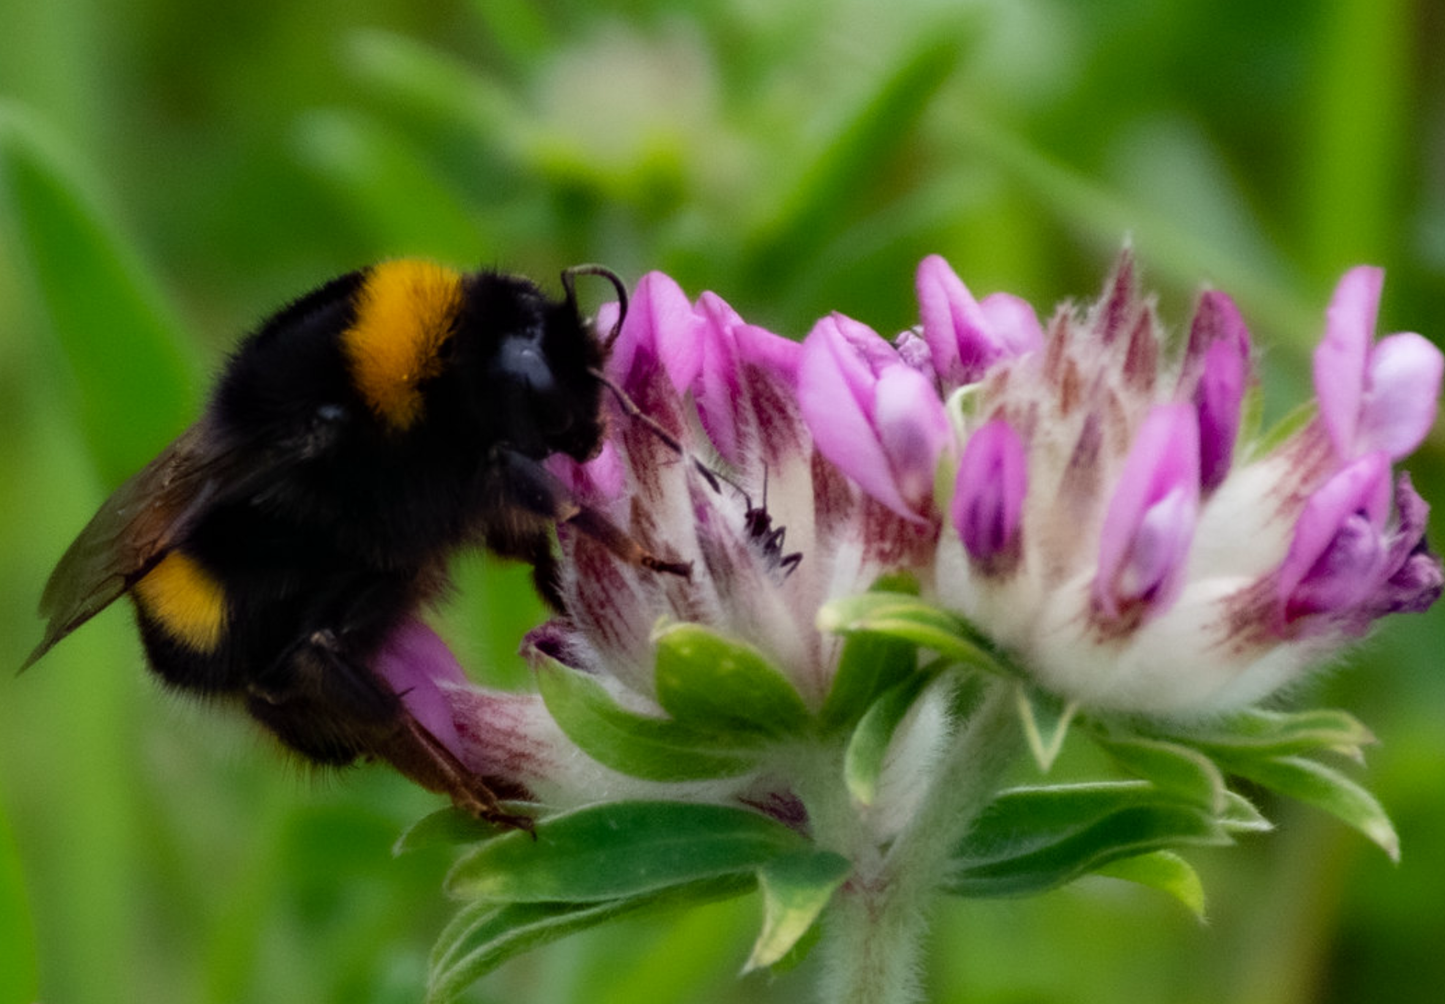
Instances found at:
x=19 y=980
x=874 y=134
x=133 y=368
x=365 y=167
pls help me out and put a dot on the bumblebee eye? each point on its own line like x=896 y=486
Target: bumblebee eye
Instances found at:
x=330 y=414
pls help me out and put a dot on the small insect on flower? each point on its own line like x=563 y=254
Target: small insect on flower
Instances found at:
x=279 y=551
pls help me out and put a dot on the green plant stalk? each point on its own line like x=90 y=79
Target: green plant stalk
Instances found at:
x=876 y=927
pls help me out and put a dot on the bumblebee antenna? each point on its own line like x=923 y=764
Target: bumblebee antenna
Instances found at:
x=569 y=283
x=714 y=478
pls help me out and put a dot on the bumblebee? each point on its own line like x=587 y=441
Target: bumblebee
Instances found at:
x=355 y=441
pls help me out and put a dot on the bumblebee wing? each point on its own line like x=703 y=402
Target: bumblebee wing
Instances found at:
x=132 y=532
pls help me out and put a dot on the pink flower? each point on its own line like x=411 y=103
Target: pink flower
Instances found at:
x=966 y=336
x=1373 y=396
x=876 y=418
x=988 y=495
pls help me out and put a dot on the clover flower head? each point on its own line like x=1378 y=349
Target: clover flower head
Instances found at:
x=1073 y=512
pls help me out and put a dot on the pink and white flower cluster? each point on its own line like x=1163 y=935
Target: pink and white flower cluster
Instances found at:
x=1088 y=499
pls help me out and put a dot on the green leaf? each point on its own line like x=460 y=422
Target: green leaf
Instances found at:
x=1183 y=772
x=1045 y=721
x=796 y=888
x=910 y=619
x=656 y=749
x=868 y=746
x=1241 y=816
x=1162 y=870
x=444 y=828
x=716 y=685
x=132 y=364
x=868 y=665
x=1273 y=733
x=619 y=849
x=483 y=934
x=1032 y=839
x=1323 y=787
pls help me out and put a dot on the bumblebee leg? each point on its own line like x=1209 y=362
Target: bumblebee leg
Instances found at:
x=335 y=709
x=538 y=491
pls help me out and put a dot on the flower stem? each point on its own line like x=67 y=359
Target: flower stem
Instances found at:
x=878 y=922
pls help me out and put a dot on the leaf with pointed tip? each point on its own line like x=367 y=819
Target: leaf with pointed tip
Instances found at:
x=444 y=828
x=1162 y=870
x=1176 y=769
x=724 y=687
x=868 y=665
x=796 y=887
x=657 y=749
x=1241 y=816
x=619 y=849
x=133 y=366
x=484 y=934
x=868 y=746
x=1045 y=723
x=1323 y=787
x=1256 y=732
x=1033 y=839
x=910 y=619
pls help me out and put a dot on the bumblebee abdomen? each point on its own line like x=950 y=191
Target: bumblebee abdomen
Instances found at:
x=185 y=601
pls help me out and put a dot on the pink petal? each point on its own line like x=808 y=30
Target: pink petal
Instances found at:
x=836 y=390
x=658 y=328
x=414 y=661
x=1218 y=357
x=1013 y=322
x=1342 y=356
x=989 y=492
x=1147 y=532
x=715 y=384
x=965 y=336
x=1403 y=392
x=913 y=429
x=1337 y=550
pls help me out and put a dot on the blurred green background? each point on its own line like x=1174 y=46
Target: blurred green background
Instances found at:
x=172 y=171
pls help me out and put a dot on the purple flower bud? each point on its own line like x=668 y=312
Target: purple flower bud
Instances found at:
x=659 y=330
x=1338 y=553
x=878 y=419
x=988 y=497
x=1217 y=360
x=1147 y=532
x=1373 y=396
x=1415 y=580
x=715 y=382
x=965 y=336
